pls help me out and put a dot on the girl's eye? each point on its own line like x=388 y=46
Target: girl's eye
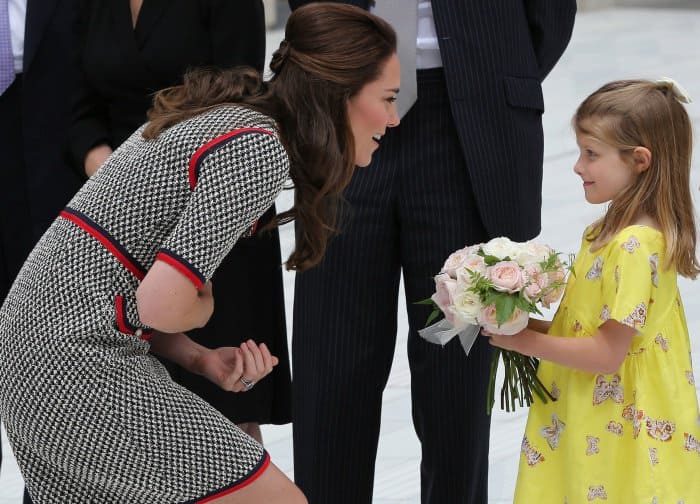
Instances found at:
x=590 y=153
x=391 y=99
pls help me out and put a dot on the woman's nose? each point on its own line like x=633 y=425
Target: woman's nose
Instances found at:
x=394 y=119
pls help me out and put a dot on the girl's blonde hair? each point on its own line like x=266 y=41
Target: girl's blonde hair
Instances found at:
x=637 y=113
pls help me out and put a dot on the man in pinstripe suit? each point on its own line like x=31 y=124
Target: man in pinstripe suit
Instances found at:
x=464 y=166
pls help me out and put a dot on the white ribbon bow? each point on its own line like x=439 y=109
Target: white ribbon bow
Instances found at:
x=678 y=91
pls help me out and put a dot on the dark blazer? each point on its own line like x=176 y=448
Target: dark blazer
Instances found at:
x=42 y=96
x=495 y=56
x=123 y=66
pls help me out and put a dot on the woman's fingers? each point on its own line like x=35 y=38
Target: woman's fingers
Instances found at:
x=257 y=361
x=269 y=360
x=232 y=380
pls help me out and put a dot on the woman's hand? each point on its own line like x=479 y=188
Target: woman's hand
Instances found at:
x=230 y=367
x=96 y=158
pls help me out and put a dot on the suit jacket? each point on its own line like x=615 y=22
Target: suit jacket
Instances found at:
x=123 y=66
x=495 y=55
x=47 y=82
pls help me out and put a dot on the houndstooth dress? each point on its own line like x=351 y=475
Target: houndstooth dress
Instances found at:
x=91 y=416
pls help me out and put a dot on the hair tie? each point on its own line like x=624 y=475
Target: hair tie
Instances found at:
x=668 y=83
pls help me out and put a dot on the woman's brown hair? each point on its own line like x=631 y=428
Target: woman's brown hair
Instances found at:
x=330 y=51
x=639 y=113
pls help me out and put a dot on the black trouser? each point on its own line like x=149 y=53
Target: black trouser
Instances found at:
x=407 y=212
x=16 y=239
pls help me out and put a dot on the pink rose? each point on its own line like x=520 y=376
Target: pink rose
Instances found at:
x=537 y=282
x=554 y=292
x=475 y=263
x=445 y=288
x=516 y=323
x=506 y=276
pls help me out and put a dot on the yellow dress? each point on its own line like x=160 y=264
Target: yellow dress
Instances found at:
x=633 y=436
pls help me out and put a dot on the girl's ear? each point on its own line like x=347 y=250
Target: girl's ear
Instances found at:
x=641 y=159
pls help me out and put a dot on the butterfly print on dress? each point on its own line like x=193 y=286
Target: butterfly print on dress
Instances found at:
x=597 y=492
x=552 y=432
x=532 y=456
x=661 y=430
x=604 y=390
x=631 y=244
x=592 y=445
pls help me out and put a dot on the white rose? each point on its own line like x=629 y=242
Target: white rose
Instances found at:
x=466 y=307
x=532 y=253
x=454 y=262
x=501 y=247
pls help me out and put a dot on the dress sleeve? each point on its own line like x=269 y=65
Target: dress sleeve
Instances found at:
x=234 y=179
x=630 y=277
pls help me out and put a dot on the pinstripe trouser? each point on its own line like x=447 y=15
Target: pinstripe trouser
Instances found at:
x=407 y=211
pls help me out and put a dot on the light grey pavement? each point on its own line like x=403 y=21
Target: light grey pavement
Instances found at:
x=606 y=45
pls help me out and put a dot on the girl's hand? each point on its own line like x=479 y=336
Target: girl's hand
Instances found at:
x=230 y=367
x=514 y=342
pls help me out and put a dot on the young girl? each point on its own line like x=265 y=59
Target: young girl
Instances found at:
x=625 y=425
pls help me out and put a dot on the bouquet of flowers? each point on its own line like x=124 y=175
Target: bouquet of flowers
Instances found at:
x=497 y=285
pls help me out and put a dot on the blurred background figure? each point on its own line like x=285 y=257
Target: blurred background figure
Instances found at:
x=37 y=75
x=129 y=50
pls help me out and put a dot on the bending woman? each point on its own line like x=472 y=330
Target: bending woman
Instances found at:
x=91 y=415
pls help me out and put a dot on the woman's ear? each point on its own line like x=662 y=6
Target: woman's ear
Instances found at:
x=641 y=157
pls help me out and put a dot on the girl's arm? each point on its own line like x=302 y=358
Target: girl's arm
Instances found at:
x=223 y=366
x=539 y=325
x=169 y=302
x=602 y=353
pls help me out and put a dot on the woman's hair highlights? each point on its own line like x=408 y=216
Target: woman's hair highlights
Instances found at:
x=330 y=52
x=633 y=113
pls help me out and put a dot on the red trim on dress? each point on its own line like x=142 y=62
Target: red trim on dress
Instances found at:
x=196 y=157
x=104 y=241
x=123 y=324
x=181 y=268
x=245 y=483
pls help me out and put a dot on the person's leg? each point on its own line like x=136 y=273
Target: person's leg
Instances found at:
x=252 y=429
x=271 y=487
x=438 y=216
x=15 y=227
x=343 y=343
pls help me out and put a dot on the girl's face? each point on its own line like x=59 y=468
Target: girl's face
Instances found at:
x=373 y=110
x=605 y=174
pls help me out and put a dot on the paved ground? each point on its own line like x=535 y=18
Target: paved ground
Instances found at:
x=606 y=45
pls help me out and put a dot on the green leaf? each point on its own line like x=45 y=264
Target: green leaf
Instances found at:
x=433 y=315
x=428 y=301
x=491 y=260
x=505 y=305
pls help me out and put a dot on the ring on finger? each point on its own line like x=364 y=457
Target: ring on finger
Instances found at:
x=247 y=384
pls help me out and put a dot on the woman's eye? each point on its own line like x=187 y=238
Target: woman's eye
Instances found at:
x=590 y=153
x=391 y=99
